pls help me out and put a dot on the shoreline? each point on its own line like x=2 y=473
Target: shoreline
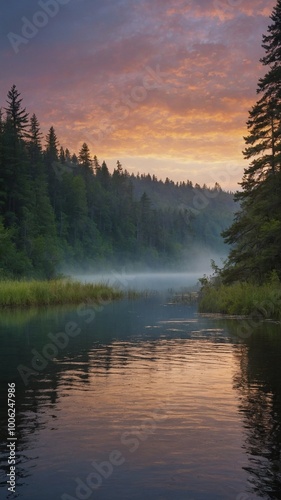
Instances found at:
x=27 y=294
x=242 y=300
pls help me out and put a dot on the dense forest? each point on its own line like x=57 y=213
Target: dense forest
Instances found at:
x=61 y=211
x=255 y=234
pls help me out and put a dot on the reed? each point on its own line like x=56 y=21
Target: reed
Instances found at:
x=61 y=291
x=242 y=299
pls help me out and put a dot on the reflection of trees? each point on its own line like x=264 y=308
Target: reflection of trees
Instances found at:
x=259 y=385
x=20 y=333
x=117 y=339
x=102 y=345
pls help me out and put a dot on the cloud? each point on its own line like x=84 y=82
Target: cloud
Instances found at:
x=86 y=72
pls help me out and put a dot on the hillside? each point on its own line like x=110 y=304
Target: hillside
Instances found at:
x=63 y=212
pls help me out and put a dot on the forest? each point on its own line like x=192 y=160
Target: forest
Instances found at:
x=250 y=280
x=255 y=235
x=62 y=211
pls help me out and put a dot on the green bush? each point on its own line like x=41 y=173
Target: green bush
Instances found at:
x=243 y=299
x=39 y=293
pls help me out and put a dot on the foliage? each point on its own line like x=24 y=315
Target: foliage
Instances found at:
x=242 y=298
x=39 y=293
x=66 y=212
x=256 y=231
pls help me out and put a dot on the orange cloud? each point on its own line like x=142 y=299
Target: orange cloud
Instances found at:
x=148 y=82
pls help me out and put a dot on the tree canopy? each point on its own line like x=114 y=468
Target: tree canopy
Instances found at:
x=255 y=234
x=61 y=211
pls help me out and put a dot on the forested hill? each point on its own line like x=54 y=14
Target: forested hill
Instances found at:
x=206 y=211
x=60 y=211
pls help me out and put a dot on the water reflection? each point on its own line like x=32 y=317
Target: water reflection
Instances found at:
x=258 y=382
x=218 y=397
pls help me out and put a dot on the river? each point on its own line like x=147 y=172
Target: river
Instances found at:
x=141 y=400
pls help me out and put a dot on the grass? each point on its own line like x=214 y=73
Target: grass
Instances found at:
x=242 y=299
x=43 y=293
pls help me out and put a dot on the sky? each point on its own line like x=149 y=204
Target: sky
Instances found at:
x=164 y=86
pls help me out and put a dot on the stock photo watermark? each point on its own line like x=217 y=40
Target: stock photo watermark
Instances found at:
x=130 y=441
x=60 y=340
x=12 y=439
x=48 y=9
x=202 y=196
x=120 y=109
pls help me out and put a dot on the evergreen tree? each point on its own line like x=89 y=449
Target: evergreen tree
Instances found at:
x=62 y=155
x=96 y=165
x=75 y=206
x=256 y=231
x=14 y=167
x=52 y=147
x=67 y=155
x=16 y=113
x=51 y=155
x=56 y=208
x=103 y=175
x=74 y=159
x=84 y=158
x=43 y=245
x=13 y=262
x=34 y=145
x=119 y=168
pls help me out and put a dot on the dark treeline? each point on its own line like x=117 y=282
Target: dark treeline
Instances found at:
x=60 y=210
x=249 y=283
x=255 y=234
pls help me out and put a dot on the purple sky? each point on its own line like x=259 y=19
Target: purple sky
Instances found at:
x=162 y=85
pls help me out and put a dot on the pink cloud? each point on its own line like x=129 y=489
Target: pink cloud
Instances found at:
x=86 y=77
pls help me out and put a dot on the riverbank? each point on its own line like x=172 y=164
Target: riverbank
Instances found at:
x=54 y=292
x=243 y=299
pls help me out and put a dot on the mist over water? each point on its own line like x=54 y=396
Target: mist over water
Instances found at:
x=154 y=281
x=184 y=275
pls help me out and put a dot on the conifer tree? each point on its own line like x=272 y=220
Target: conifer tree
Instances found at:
x=52 y=147
x=53 y=173
x=96 y=165
x=74 y=159
x=16 y=113
x=84 y=158
x=67 y=155
x=105 y=176
x=14 y=166
x=62 y=155
x=34 y=145
x=42 y=248
x=256 y=231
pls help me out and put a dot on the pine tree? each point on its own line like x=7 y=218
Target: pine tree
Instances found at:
x=16 y=113
x=14 y=166
x=74 y=159
x=104 y=176
x=51 y=155
x=62 y=155
x=256 y=231
x=52 y=147
x=96 y=165
x=42 y=239
x=84 y=158
x=34 y=145
x=67 y=155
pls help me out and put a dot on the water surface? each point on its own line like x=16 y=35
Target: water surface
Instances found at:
x=147 y=401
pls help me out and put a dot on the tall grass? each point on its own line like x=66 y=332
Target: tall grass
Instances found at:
x=242 y=299
x=39 y=293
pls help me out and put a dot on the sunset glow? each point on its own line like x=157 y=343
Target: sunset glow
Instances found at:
x=163 y=86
